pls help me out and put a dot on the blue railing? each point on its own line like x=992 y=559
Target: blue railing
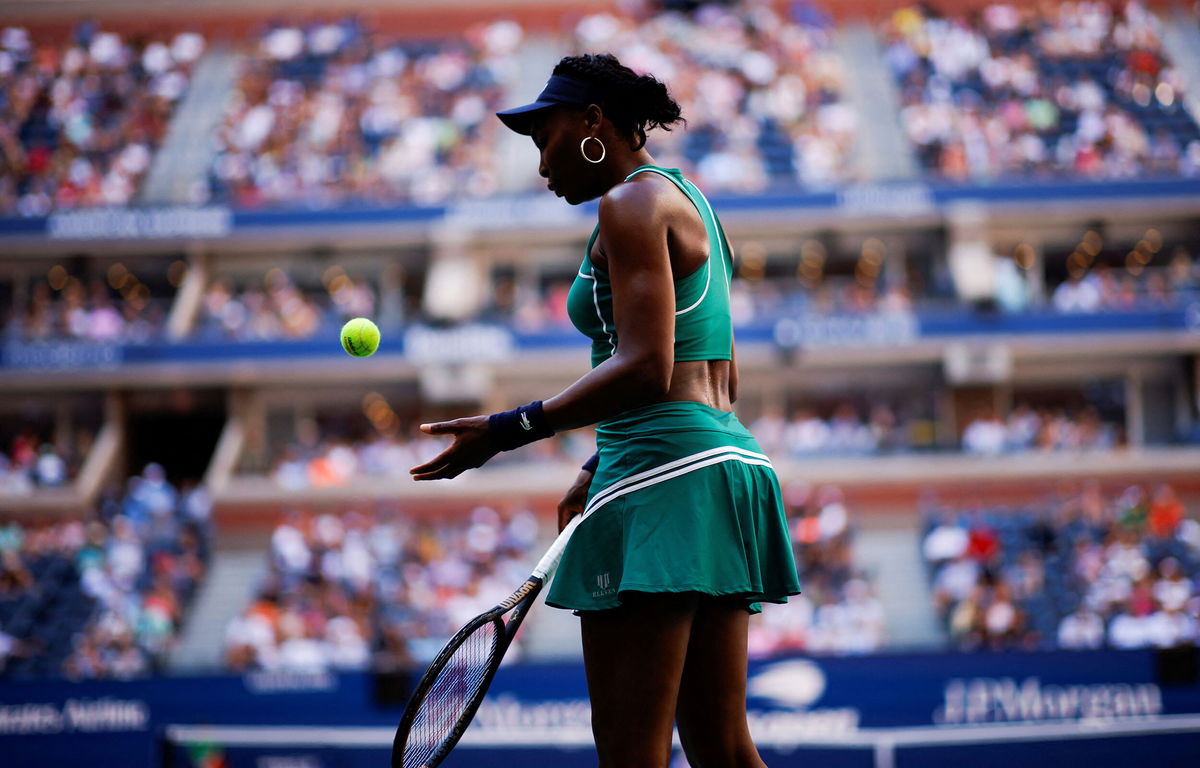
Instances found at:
x=477 y=342
x=217 y=222
x=539 y=715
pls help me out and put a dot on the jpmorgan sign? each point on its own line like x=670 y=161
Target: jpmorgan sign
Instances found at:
x=1005 y=699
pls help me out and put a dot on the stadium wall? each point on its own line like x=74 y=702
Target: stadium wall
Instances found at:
x=834 y=706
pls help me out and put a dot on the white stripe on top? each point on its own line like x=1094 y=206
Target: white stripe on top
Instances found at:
x=596 y=303
x=708 y=263
x=674 y=469
x=720 y=240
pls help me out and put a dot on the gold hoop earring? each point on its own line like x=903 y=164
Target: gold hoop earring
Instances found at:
x=583 y=151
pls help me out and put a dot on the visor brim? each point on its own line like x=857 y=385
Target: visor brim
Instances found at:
x=520 y=119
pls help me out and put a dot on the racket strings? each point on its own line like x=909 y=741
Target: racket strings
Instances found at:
x=456 y=684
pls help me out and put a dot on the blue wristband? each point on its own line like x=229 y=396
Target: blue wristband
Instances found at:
x=518 y=427
x=591 y=464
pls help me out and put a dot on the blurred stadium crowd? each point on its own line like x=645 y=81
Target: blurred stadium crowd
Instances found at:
x=808 y=432
x=336 y=112
x=30 y=462
x=115 y=306
x=838 y=611
x=81 y=122
x=1071 y=89
x=1083 y=569
x=103 y=596
x=763 y=92
x=108 y=594
x=337 y=454
x=340 y=113
x=382 y=588
x=348 y=591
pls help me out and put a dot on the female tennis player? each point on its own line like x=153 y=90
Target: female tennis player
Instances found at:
x=683 y=535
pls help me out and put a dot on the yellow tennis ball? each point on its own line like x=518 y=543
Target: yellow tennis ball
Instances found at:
x=360 y=337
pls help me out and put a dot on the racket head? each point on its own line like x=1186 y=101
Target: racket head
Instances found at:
x=445 y=699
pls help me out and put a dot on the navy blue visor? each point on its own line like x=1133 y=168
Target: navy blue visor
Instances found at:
x=558 y=90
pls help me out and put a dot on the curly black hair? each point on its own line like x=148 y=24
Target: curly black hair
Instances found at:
x=635 y=103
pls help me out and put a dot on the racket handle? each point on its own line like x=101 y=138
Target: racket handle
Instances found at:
x=549 y=561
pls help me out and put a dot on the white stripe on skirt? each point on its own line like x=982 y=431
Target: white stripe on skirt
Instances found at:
x=674 y=469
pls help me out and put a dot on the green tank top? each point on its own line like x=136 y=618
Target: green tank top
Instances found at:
x=703 y=329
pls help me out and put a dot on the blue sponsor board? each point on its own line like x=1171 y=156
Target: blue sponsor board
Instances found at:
x=827 y=711
x=480 y=342
x=891 y=200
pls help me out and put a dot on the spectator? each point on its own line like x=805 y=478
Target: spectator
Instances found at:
x=337 y=113
x=946 y=542
x=108 y=599
x=344 y=587
x=1166 y=513
x=985 y=435
x=1068 y=89
x=1082 y=571
x=839 y=611
x=1081 y=630
x=781 y=76
x=1044 y=429
x=61 y=308
x=1078 y=294
x=81 y=121
x=30 y=460
x=327 y=456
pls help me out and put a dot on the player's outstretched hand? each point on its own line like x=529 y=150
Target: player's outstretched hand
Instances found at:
x=472 y=447
x=575 y=498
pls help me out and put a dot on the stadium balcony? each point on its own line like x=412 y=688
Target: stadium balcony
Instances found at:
x=960 y=343
x=247 y=91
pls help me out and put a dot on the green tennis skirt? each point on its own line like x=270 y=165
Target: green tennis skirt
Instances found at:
x=683 y=500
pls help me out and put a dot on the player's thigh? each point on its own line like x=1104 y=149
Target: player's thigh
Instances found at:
x=712 y=697
x=634 y=657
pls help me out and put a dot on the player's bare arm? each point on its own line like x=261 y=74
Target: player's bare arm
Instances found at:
x=633 y=227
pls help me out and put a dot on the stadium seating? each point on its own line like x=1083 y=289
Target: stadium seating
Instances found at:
x=118 y=310
x=838 y=611
x=401 y=121
x=281 y=311
x=780 y=74
x=1084 y=569
x=337 y=113
x=1076 y=90
x=33 y=457
x=32 y=463
x=348 y=591
x=106 y=596
x=361 y=117
x=386 y=589
x=82 y=119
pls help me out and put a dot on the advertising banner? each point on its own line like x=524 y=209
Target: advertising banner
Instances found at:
x=843 y=707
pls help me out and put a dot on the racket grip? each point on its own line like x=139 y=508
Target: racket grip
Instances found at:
x=549 y=561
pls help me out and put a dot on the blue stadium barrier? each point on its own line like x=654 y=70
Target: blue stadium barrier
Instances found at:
x=476 y=342
x=217 y=222
x=854 y=710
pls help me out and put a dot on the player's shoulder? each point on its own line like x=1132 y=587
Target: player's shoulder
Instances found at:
x=644 y=198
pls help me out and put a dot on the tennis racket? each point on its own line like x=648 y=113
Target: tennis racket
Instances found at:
x=448 y=695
